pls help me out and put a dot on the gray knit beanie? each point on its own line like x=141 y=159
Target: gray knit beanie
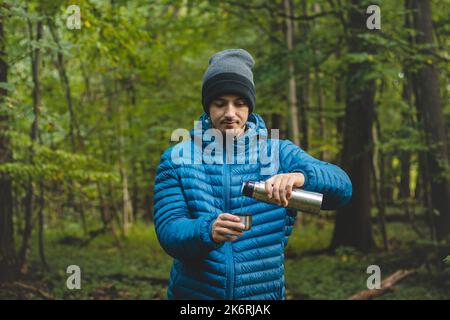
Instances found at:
x=229 y=72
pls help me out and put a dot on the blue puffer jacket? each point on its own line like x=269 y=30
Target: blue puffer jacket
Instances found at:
x=188 y=197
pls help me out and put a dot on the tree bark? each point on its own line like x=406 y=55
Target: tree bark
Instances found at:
x=353 y=224
x=378 y=183
x=405 y=176
x=407 y=121
x=41 y=229
x=277 y=120
x=8 y=267
x=388 y=178
x=35 y=64
x=134 y=164
x=405 y=156
x=149 y=197
x=304 y=84
x=319 y=97
x=74 y=130
x=430 y=107
x=106 y=216
x=292 y=91
x=127 y=209
x=338 y=99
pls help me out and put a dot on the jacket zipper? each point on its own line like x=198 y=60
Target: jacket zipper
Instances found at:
x=229 y=253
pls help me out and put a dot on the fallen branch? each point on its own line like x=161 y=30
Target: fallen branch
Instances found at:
x=386 y=285
x=43 y=294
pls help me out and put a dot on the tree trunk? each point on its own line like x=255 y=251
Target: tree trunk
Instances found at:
x=127 y=209
x=304 y=85
x=41 y=229
x=408 y=97
x=319 y=97
x=106 y=216
x=378 y=183
x=134 y=164
x=149 y=198
x=405 y=156
x=338 y=100
x=407 y=121
x=388 y=182
x=430 y=107
x=353 y=224
x=135 y=199
x=8 y=268
x=304 y=106
x=405 y=176
x=292 y=92
x=35 y=64
x=277 y=120
x=74 y=130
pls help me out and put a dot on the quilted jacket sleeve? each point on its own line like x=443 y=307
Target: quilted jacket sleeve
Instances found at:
x=320 y=176
x=180 y=235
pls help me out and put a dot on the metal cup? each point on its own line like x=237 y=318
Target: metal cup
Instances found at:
x=246 y=219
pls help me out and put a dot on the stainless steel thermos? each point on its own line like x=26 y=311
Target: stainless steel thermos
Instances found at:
x=302 y=200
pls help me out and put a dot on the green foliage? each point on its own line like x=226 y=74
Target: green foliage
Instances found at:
x=54 y=165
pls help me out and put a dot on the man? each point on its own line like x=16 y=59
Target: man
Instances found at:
x=194 y=202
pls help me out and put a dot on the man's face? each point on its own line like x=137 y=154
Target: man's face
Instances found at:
x=229 y=113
